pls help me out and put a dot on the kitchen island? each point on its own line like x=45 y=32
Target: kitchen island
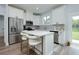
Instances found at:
x=47 y=40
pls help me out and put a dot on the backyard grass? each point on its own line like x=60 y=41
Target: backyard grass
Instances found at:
x=75 y=35
x=75 y=29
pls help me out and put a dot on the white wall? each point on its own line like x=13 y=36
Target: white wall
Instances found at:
x=4 y=12
x=6 y=26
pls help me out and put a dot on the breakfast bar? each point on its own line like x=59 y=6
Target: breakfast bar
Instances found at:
x=47 y=40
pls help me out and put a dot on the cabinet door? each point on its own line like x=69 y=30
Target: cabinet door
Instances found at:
x=48 y=44
x=58 y=15
x=20 y=13
x=36 y=20
x=11 y=12
x=14 y=12
x=62 y=37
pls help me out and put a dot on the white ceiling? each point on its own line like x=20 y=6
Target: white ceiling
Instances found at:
x=32 y=7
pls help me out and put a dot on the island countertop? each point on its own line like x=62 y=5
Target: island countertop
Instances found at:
x=37 y=32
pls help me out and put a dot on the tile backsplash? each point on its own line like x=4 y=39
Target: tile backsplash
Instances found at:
x=55 y=27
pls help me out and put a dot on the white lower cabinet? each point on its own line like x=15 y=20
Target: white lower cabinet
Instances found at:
x=36 y=20
x=61 y=37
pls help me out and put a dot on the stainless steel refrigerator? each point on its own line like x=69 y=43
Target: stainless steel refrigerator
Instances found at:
x=15 y=26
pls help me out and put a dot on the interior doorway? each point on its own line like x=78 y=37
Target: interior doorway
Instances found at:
x=2 y=44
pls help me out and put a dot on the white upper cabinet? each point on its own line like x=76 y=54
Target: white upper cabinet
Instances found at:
x=58 y=15
x=36 y=20
x=14 y=12
x=30 y=17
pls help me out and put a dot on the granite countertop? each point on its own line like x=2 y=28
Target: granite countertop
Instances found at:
x=37 y=32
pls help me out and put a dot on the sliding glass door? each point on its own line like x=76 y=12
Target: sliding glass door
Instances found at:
x=75 y=28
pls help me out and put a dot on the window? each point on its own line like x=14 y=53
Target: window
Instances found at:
x=46 y=19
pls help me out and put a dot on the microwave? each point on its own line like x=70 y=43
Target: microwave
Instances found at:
x=29 y=23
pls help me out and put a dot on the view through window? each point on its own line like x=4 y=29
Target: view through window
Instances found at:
x=75 y=28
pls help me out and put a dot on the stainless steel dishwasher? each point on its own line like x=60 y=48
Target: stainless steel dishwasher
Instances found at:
x=56 y=41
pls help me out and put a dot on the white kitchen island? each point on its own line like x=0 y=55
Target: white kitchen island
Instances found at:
x=47 y=40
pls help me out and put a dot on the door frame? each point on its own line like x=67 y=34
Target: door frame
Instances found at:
x=70 y=18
